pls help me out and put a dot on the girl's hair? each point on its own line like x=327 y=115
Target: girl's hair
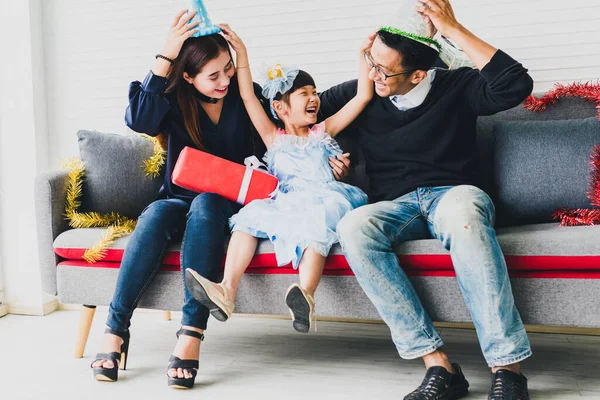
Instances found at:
x=194 y=55
x=302 y=79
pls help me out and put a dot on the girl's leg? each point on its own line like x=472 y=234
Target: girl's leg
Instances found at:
x=239 y=254
x=161 y=221
x=300 y=299
x=219 y=298
x=310 y=270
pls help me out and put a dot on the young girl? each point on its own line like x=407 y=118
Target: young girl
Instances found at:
x=301 y=219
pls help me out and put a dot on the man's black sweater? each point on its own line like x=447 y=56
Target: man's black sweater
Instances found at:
x=433 y=144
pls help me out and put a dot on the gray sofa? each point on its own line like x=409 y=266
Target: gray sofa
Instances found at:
x=529 y=169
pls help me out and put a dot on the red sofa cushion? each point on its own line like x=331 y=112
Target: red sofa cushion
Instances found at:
x=335 y=267
x=529 y=250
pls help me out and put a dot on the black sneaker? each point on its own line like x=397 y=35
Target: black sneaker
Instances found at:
x=439 y=384
x=508 y=385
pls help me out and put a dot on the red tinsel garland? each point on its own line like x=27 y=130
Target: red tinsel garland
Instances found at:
x=590 y=92
x=593 y=192
x=580 y=216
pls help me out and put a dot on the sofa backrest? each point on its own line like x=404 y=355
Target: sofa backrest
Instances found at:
x=532 y=169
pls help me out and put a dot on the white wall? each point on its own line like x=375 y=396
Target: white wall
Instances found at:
x=23 y=150
x=94 y=48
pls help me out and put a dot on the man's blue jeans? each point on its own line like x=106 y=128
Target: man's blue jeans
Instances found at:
x=203 y=225
x=462 y=218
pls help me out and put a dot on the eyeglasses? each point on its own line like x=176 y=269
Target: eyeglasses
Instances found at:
x=371 y=64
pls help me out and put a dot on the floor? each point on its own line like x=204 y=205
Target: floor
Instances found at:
x=258 y=358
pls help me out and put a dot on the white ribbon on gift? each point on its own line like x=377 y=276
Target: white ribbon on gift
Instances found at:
x=251 y=164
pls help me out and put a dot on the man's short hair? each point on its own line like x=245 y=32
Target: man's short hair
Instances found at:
x=415 y=55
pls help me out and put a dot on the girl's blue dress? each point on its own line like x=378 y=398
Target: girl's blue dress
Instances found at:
x=309 y=202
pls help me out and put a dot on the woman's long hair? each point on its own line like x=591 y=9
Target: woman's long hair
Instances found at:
x=194 y=55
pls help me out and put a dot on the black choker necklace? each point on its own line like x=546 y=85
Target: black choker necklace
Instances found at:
x=204 y=98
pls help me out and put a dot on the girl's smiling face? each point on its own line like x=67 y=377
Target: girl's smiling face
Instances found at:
x=301 y=107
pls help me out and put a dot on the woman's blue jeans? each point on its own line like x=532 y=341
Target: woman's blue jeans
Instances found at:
x=462 y=218
x=202 y=224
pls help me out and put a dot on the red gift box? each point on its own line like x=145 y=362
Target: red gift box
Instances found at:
x=202 y=172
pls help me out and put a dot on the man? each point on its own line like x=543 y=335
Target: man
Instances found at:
x=418 y=136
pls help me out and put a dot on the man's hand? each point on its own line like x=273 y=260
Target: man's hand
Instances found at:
x=431 y=29
x=440 y=14
x=340 y=166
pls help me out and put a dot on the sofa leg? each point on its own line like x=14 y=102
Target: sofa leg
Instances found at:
x=86 y=317
x=167 y=315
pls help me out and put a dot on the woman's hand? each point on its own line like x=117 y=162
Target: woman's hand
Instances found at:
x=234 y=40
x=179 y=32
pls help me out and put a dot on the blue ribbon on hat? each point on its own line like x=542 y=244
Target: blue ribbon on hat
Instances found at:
x=279 y=80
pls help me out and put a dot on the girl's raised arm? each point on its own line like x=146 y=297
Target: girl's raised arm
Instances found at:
x=338 y=121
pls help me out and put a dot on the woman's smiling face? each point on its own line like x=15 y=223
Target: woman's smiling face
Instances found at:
x=214 y=79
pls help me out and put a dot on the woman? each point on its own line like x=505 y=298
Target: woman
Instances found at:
x=192 y=97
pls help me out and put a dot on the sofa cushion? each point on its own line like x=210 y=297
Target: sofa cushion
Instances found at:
x=539 y=247
x=540 y=166
x=566 y=108
x=115 y=180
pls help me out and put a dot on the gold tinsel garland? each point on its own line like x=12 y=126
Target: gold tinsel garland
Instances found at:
x=116 y=224
x=153 y=165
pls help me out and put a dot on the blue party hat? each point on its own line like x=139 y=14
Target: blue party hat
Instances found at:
x=205 y=26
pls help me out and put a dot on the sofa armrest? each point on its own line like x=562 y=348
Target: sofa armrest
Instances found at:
x=50 y=198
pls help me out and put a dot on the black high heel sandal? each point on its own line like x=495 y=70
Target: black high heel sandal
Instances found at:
x=190 y=365
x=119 y=359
